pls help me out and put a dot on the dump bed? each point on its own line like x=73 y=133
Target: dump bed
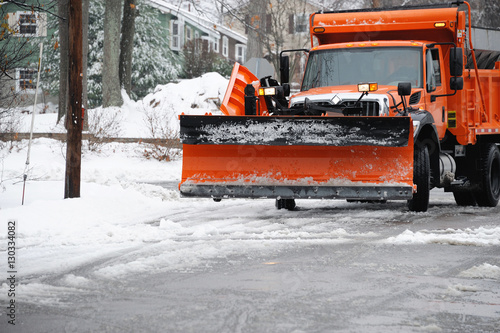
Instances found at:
x=437 y=24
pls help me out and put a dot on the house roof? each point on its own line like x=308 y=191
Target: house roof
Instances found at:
x=212 y=29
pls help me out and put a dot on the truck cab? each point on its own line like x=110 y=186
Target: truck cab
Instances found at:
x=386 y=111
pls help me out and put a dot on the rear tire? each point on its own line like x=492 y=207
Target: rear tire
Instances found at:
x=288 y=204
x=421 y=178
x=489 y=194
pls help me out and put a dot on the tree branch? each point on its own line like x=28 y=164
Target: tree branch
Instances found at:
x=38 y=8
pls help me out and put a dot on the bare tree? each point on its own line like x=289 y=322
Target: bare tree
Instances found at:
x=111 y=95
x=272 y=26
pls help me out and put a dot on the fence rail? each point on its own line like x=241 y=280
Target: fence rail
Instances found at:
x=175 y=143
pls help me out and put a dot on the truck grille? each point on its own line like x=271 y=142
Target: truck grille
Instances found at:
x=364 y=108
x=368 y=108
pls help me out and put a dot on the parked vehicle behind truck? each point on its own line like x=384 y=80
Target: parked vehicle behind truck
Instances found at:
x=387 y=110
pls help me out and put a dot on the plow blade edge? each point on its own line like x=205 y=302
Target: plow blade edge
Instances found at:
x=366 y=158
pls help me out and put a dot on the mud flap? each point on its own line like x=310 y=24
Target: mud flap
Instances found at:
x=297 y=157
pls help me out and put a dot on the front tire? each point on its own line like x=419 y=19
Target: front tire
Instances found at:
x=489 y=193
x=421 y=178
x=288 y=204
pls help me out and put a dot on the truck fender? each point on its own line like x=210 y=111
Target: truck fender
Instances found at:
x=426 y=134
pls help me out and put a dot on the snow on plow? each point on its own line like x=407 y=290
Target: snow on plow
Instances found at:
x=366 y=158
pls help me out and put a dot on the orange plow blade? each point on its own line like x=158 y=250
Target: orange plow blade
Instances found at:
x=233 y=103
x=366 y=158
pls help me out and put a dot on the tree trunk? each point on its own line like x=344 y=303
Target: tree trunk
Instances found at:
x=256 y=31
x=85 y=48
x=127 y=45
x=63 y=12
x=111 y=95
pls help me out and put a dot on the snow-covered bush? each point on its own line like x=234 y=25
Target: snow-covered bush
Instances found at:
x=165 y=145
x=104 y=124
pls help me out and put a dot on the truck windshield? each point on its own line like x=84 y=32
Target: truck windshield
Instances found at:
x=383 y=65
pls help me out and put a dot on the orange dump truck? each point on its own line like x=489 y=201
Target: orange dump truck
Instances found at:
x=387 y=110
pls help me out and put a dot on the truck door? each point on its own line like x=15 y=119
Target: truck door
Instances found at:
x=435 y=86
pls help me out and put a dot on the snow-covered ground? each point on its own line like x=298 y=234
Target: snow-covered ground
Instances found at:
x=130 y=211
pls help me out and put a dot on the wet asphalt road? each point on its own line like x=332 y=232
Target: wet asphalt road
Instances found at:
x=305 y=285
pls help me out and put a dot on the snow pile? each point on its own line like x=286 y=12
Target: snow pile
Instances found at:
x=482 y=236
x=163 y=106
x=197 y=96
x=484 y=271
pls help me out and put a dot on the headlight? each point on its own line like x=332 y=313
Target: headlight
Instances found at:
x=270 y=91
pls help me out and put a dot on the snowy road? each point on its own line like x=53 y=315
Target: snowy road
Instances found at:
x=330 y=266
x=131 y=256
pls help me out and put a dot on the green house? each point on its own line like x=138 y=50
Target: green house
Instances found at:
x=22 y=28
x=184 y=25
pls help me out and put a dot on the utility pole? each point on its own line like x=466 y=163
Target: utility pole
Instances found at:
x=74 y=115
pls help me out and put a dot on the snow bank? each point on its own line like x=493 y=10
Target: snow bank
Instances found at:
x=482 y=236
x=196 y=96
x=484 y=271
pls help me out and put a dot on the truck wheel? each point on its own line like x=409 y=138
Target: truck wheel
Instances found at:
x=490 y=177
x=285 y=203
x=464 y=198
x=422 y=178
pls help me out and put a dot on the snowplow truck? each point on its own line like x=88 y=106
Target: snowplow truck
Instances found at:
x=387 y=110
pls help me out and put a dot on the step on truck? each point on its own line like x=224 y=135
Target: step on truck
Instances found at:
x=387 y=110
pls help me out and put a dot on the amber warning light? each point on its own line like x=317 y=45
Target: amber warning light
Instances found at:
x=366 y=87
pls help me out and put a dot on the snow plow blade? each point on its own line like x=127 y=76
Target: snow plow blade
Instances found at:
x=365 y=158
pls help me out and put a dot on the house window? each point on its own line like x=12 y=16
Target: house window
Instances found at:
x=225 y=46
x=189 y=33
x=206 y=44
x=298 y=23
x=28 y=24
x=175 y=38
x=216 y=46
x=240 y=53
x=26 y=80
x=301 y=23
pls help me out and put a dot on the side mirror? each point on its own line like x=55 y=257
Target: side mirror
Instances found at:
x=456 y=61
x=285 y=69
x=286 y=89
x=457 y=83
x=404 y=88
